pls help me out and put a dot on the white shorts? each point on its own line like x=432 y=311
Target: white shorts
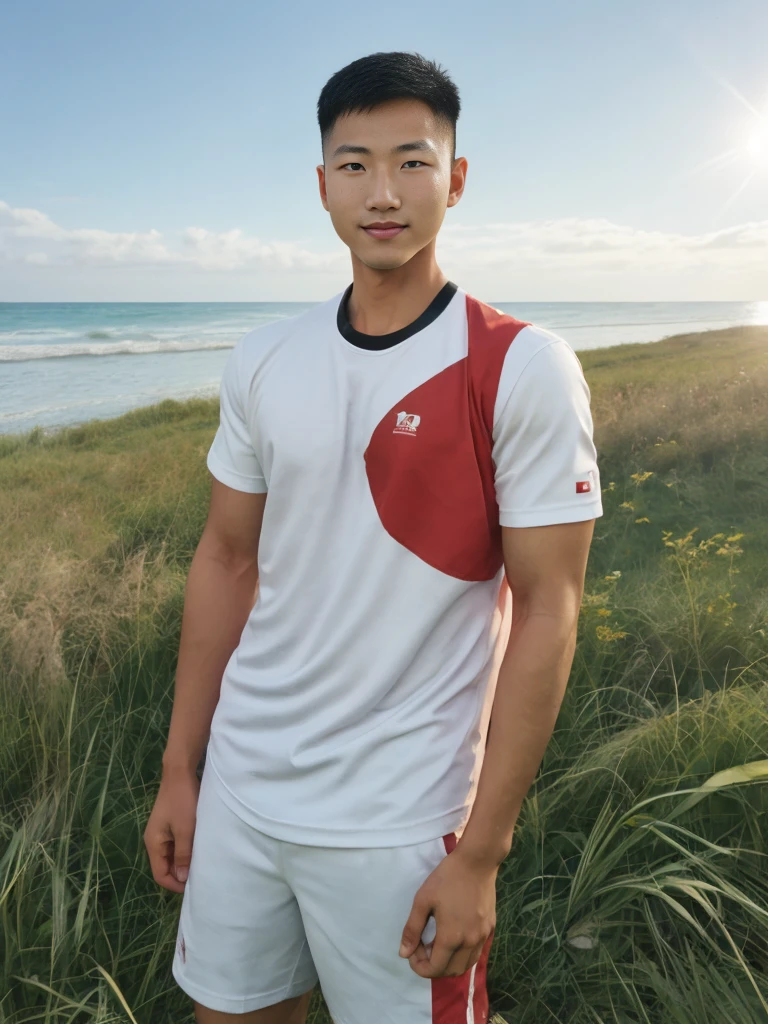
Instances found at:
x=263 y=920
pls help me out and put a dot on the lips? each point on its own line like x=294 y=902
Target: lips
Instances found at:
x=389 y=231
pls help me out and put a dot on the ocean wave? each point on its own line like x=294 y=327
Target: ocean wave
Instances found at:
x=33 y=332
x=24 y=353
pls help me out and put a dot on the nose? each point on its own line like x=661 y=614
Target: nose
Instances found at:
x=382 y=195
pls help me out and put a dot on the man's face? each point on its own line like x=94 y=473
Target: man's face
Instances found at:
x=411 y=186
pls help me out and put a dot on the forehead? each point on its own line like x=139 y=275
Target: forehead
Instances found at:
x=387 y=123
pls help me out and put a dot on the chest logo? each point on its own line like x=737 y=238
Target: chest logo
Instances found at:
x=407 y=422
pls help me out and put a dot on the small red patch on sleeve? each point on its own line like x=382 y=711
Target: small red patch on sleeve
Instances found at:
x=583 y=486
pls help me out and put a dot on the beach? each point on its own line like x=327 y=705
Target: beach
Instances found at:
x=67 y=363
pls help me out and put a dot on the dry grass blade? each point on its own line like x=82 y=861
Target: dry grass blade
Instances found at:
x=113 y=985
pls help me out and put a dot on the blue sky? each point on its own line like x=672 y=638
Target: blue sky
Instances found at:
x=166 y=151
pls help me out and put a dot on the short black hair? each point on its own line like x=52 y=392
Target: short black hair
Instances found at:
x=379 y=77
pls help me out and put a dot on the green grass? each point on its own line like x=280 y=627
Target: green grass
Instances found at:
x=630 y=895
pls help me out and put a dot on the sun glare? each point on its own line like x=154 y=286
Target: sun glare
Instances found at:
x=757 y=146
x=751 y=154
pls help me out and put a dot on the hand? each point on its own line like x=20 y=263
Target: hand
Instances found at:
x=171 y=827
x=461 y=894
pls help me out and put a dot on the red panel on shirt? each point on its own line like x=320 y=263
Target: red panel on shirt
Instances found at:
x=429 y=461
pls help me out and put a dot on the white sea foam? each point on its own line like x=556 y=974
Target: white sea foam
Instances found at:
x=36 y=333
x=128 y=347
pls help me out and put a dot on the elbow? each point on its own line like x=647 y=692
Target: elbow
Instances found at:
x=560 y=602
x=235 y=560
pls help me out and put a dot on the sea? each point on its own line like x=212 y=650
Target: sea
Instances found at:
x=65 y=363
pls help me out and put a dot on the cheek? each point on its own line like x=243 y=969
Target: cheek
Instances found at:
x=431 y=200
x=343 y=206
x=347 y=188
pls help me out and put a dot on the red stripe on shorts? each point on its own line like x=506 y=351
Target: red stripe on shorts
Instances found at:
x=451 y=996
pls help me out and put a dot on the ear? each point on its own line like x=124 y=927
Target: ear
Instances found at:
x=458 y=180
x=321 y=182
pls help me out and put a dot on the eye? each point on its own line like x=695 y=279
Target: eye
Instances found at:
x=415 y=162
x=353 y=163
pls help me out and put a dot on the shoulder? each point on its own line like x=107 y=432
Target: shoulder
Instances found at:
x=257 y=345
x=489 y=328
x=541 y=374
x=539 y=354
x=498 y=337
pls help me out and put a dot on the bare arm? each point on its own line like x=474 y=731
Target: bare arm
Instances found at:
x=545 y=566
x=220 y=593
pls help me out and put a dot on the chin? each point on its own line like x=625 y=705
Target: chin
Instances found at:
x=391 y=262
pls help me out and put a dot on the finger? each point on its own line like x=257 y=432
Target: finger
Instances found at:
x=160 y=851
x=414 y=926
x=419 y=956
x=442 y=953
x=182 y=855
x=461 y=961
x=474 y=955
x=477 y=952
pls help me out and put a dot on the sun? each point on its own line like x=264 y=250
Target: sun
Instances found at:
x=751 y=152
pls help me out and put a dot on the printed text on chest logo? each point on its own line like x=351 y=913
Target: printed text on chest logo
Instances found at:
x=407 y=423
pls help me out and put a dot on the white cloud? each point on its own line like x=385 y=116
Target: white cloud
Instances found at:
x=209 y=250
x=22 y=223
x=600 y=244
x=570 y=257
x=232 y=250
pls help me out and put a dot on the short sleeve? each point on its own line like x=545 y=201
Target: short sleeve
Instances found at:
x=543 y=451
x=231 y=457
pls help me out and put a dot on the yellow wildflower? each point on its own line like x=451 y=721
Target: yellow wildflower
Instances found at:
x=607 y=635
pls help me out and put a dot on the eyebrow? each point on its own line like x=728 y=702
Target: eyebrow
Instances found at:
x=419 y=144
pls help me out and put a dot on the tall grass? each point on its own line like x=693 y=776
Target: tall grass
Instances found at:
x=636 y=888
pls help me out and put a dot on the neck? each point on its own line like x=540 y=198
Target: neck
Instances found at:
x=383 y=301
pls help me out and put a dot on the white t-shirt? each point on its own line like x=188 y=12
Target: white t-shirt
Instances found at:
x=354 y=710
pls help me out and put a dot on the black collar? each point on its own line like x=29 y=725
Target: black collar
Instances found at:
x=381 y=341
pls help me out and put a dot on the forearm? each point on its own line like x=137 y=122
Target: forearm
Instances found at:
x=219 y=596
x=529 y=691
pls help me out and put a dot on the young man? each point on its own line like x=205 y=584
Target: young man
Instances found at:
x=405 y=483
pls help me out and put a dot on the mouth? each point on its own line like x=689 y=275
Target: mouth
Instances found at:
x=384 y=229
